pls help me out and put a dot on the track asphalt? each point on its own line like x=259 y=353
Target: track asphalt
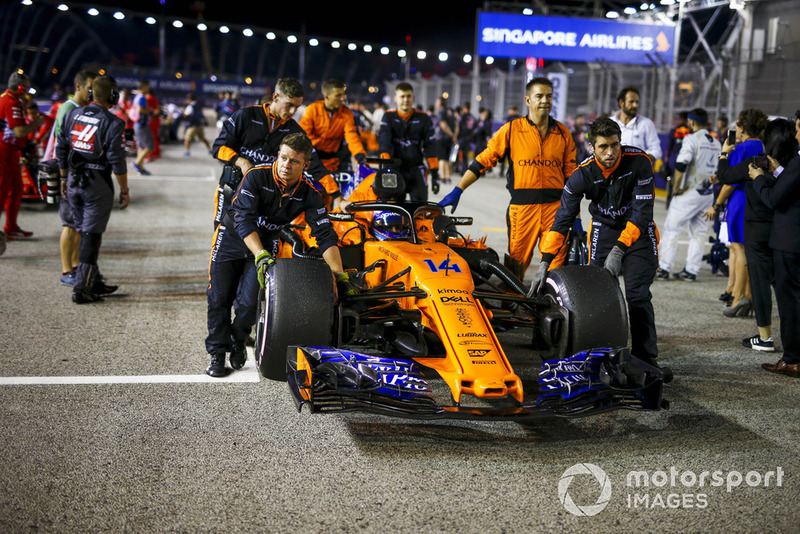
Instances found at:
x=110 y=424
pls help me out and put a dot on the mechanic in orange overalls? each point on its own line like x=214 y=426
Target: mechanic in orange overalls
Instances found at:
x=542 y=156
x=329 y=123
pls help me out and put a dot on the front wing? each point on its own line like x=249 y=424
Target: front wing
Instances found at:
x=590 y=382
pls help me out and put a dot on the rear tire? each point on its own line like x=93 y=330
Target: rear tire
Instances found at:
x=295 y=308
x=598 y=314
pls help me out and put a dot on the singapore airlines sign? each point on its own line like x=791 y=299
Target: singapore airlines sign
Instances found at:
x=574 y=39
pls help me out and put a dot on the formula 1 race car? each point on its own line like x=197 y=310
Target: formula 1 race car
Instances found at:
x=431 y=306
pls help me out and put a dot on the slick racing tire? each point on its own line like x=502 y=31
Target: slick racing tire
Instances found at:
x=598 y=314
x=295 y=308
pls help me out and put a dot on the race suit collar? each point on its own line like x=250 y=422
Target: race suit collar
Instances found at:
x=608 y=172
x=273 y=120
x=282 y=186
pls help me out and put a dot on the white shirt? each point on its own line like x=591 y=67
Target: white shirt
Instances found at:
x=700 y=152
x=640 y=132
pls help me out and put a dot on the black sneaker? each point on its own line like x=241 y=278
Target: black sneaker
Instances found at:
x=217 y=366
x=101 y=288
x=661 y=274
x=238 y=355
x=79 y=297
x=756 y=343
x=685 y=275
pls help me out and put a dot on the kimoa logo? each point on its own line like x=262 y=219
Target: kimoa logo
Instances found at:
x=602 y=480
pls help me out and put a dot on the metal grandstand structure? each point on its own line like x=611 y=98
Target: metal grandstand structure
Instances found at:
x=730 y=55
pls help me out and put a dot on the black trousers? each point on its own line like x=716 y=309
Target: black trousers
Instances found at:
x=416 y=183
x=787 y=294
x=233 y=285
x=639 y=265
x=760 y=270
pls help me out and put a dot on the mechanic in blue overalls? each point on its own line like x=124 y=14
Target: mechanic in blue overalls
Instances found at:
x=618 y=180
x=246 y=242
x=90 y=148
x=253 y=136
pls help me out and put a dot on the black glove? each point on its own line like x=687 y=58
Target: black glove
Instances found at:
x=263 y=261
x=435 y=181
x=539 y=280
x=613 y=262
x=344 y=286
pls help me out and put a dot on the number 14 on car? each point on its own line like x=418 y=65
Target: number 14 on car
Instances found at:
x=444 y=266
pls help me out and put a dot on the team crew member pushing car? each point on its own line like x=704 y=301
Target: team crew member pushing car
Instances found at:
x=618 y=180
x=541 y=153
x=329 y=124
x=246 y=242
x=253 y=135
x=90 y=147
x=407 y=134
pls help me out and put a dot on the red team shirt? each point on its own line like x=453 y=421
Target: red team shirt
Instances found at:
x=12 y=115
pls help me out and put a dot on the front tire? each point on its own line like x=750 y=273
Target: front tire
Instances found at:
x=598 y=314
x=295 y=308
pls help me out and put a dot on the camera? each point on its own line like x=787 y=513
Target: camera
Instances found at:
x=50 y=180
x=761 y=162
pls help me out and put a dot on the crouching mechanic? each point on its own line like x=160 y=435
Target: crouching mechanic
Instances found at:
x=90 y=148
x=246 y=243
x=618 y=180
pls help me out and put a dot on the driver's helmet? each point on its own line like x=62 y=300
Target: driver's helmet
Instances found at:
x=389 y=225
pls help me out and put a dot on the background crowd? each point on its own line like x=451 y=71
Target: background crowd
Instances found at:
x=747 y=201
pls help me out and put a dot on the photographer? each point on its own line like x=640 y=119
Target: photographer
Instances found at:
x=779 y=191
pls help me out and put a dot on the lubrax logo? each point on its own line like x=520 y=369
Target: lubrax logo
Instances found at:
x=471 y=334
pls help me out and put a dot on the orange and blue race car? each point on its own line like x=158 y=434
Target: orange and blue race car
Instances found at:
x=422 y=338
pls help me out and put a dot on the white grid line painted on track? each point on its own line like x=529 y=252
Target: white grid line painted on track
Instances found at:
x=248 y=374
